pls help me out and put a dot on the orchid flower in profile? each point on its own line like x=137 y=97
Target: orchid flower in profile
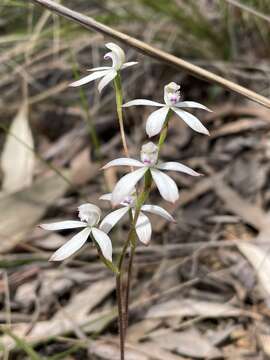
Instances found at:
x=107 y=73
x=143 y=225
x=149 y=162
x=89 y=215
x=172 y=101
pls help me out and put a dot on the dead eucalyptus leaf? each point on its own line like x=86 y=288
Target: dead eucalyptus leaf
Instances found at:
x=20 y=211
x=259 y=258
x=18 y=160
x=191 y=307
x=189 y=343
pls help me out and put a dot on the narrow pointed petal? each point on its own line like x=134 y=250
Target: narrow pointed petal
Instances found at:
x=112 y=219
x=156 y=121
x=128 y=64
x=63 y=225
x=157 y=210
x=143 y=229
x=100 y=68
x=191 y=121
x=104 y=243
x=176 y=166
x=142 y=102
x=166 y=186
x=73 y=245
x=89 y=78
x=123 y=162
x=126 y=185
x=107 y=197
x=192 y=104
x=106 y=80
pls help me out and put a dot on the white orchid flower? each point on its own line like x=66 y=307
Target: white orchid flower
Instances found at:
x=89 y=215
x=149 y=162
x=107 y=73
x=172 y=101
x=143 y=225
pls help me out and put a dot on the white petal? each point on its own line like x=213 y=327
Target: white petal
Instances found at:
x=107 y=78
x=141 y=102
x=128 y=64
x=107 y=197
x=191 y=121
x=156 y=121
x=63 y=225
x=166 y=186
x=157 y=210
x=119 y=52
x=88 y=78
x=192 y=104
x=176 y=166
x=126 y=185
x=143 y=229
x=111 y=219
x=100 y=68
x=73 y=245
x=104 y=243
x=123 y=162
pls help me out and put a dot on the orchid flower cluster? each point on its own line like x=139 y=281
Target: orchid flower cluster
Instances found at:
x=127 y=195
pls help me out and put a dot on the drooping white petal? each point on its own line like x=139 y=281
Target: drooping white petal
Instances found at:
x=192 y=104
x=63 y=225
x=166 y=186
x=142 y=102
x=119 y=54
x=176 y=166
x=104 y=242
x=156 y=121
x=106 y=79
x=73 y=245
x=126 y=184
x=123 y=162
x=128 y=64
x=100 y=68
x=157 y=210
x=143 y=229
x=89 y=78
x=191 y=121
x=111 y=219
x=107 y=197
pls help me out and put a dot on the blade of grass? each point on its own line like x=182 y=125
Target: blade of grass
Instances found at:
x=249 y=9
x=83 y=98
x=143 y=47
x=22 y=345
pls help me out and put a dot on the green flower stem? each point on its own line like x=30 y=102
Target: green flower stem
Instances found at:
x=119 y=285
x=132 y=234
x=119 y=103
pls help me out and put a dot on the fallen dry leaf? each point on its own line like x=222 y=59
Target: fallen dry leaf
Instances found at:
x=190 y=307
x=259 y=258
x=189 y=343
x=18 y=160
x=20 y=211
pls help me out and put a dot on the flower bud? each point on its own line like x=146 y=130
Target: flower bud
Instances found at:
x=172 y=94
x=149 y=154
x=89 y=213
